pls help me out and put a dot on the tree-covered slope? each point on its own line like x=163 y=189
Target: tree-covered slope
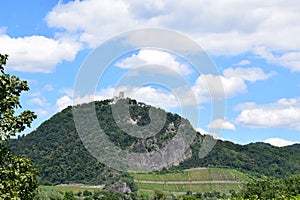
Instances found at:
x=256 y=158
x=60 y=156
x=58 y=152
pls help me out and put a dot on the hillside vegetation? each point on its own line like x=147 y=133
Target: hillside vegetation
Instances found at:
x=255 y=158
x=58 y=153
x=194 y=180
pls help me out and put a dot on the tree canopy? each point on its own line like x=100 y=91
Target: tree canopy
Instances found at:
x=17 y=177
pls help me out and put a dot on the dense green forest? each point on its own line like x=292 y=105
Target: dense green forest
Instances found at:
x=255 y=158
x=58 y=153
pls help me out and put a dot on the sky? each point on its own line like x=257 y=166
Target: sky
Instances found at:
x=254 y=48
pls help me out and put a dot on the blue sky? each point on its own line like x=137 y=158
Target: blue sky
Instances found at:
x=254 y=45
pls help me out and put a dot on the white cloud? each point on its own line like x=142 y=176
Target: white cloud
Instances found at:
x=283 y=113
x=155 y=57
x=290 y=60
x=63 y=102
x=214 y=134
x=279 y=142
x=68 y=98
x=67 y=91
x=209 y=86
x=96 y=20
x=242 y=63
x=229 y=84
x=37 y=101
x=148 y=94
x=155 y=97
x=233 y=85
x=206 y=87
x=252 y=74
x=223 y=27
x=148 y=9
x=37 y=53
x=40 y=104
x=41 y=112
x=221 y=124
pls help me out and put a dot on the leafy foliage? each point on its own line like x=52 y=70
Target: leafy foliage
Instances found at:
x=17 y=177
x=256 y=158
x=58 y=152
x=69 y=196
x=271 y=188
x=10 y=90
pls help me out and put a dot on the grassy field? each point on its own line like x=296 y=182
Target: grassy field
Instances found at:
x=69 y=188
x=58 y=192
x=207 y=187
x=201 y=174
x=195 y=180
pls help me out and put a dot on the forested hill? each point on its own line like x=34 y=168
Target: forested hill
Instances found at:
x=255 y=158
x=294 y=146
x=58 y=153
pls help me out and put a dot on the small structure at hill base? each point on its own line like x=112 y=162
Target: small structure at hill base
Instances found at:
x=119 y=187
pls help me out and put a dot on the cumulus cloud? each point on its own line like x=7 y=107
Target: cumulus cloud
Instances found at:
x=290 y=60
x=37 y=53
x=209 y=86
x=279 y=142
x=242 y=63
x=221 y=124
x=155 y=97
x=219 y=27
x=63 y=102
x=248 y=74
x=106 y=93
x=40 y=104
x=232 y=82
x=215 y=135
x=95 y=20
x=205 y=88
x=41 y=112
x=155 y=57
x=227 y=28
x=68 y=98
x=39 y=101
x=283 y=113
x=147 y=94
